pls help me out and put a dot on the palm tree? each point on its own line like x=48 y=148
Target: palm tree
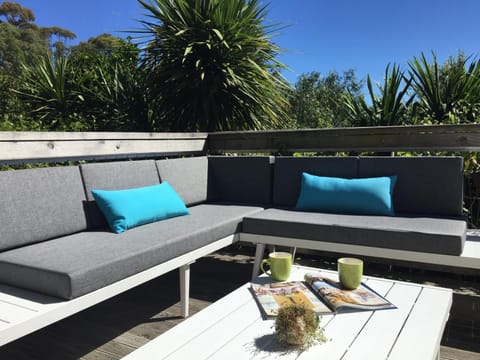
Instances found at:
x=212 y=65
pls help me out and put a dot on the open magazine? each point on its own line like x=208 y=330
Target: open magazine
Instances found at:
x=362 y=298
x=271 y=297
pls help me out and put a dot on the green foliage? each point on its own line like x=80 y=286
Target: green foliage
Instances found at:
x=21 y=43
x=316 y=101
x=387 y=108
x=206 y=65
x=113 y=86
x=52 y=95
x=102 y=45
x=16 y=14
x=21 y=40
x=212 y=65
x=88 y=90
x=446 y=94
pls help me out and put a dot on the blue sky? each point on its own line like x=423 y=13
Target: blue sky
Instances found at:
x=320 y=35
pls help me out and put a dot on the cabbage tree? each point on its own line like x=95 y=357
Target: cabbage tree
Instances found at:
x=212 y=65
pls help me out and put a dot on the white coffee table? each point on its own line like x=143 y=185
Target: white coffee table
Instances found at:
x=233 y=328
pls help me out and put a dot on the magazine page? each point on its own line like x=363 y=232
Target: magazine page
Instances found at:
x=275 y=295
x=362 y=298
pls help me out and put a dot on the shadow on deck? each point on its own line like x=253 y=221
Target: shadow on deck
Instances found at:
x=114 y=328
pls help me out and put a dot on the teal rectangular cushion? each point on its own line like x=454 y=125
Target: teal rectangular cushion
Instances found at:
x=366 y=196
x=126 y=209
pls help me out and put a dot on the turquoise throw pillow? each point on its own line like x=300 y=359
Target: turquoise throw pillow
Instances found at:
x=125 y=209
x=367 y=196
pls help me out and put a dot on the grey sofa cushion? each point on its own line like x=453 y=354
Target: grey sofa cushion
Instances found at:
x=425 y=234
x=188 y=176
x=74 y=265
x=288 y=174
x=115 y=176
x=240 y=179
x=39 y=204
x=425 y=185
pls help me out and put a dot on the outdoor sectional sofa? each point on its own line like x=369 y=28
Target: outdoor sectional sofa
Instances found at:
x=55 y=243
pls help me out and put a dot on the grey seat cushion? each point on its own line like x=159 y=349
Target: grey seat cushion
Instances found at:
x=39 y=204
x=74 y=265
x=425 y=234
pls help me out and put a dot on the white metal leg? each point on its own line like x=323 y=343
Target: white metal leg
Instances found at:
x=184 y=289
x=258 y=258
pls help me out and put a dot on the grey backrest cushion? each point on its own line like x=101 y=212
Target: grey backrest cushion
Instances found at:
x=240 y=179
x=39 y=204
x=188 y=176
x=115 y=176
x=425 y=185
x=288 y=174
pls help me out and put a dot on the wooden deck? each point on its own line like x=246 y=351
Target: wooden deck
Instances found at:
x=114 y=328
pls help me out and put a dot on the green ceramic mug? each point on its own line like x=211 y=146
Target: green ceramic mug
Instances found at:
x=350 y=271
x=280 y=264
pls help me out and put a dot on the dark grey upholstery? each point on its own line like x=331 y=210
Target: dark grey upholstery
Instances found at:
x=40 y=204
x=114 y=176
x=119 y=175
x=288 y=174
x=188 y=176
x=425 y=185
x=425 y=234
x=74 y=265
x=240 y=179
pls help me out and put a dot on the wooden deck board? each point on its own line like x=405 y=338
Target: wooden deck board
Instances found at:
x=112 y=329
x=448 y=353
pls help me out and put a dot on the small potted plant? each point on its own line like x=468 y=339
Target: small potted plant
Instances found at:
x=297 y=325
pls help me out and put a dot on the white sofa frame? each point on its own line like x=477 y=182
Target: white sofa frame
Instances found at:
x=470 y=257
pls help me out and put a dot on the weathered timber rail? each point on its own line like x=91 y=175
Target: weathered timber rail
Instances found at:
x=59 y=146
x=378 y=139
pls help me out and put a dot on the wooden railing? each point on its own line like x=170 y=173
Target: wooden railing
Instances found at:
x=377 y=139
x=59 y=146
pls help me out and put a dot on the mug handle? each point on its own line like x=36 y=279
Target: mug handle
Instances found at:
x=265 y=261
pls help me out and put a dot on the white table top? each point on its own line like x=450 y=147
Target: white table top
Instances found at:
x=233 y=327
